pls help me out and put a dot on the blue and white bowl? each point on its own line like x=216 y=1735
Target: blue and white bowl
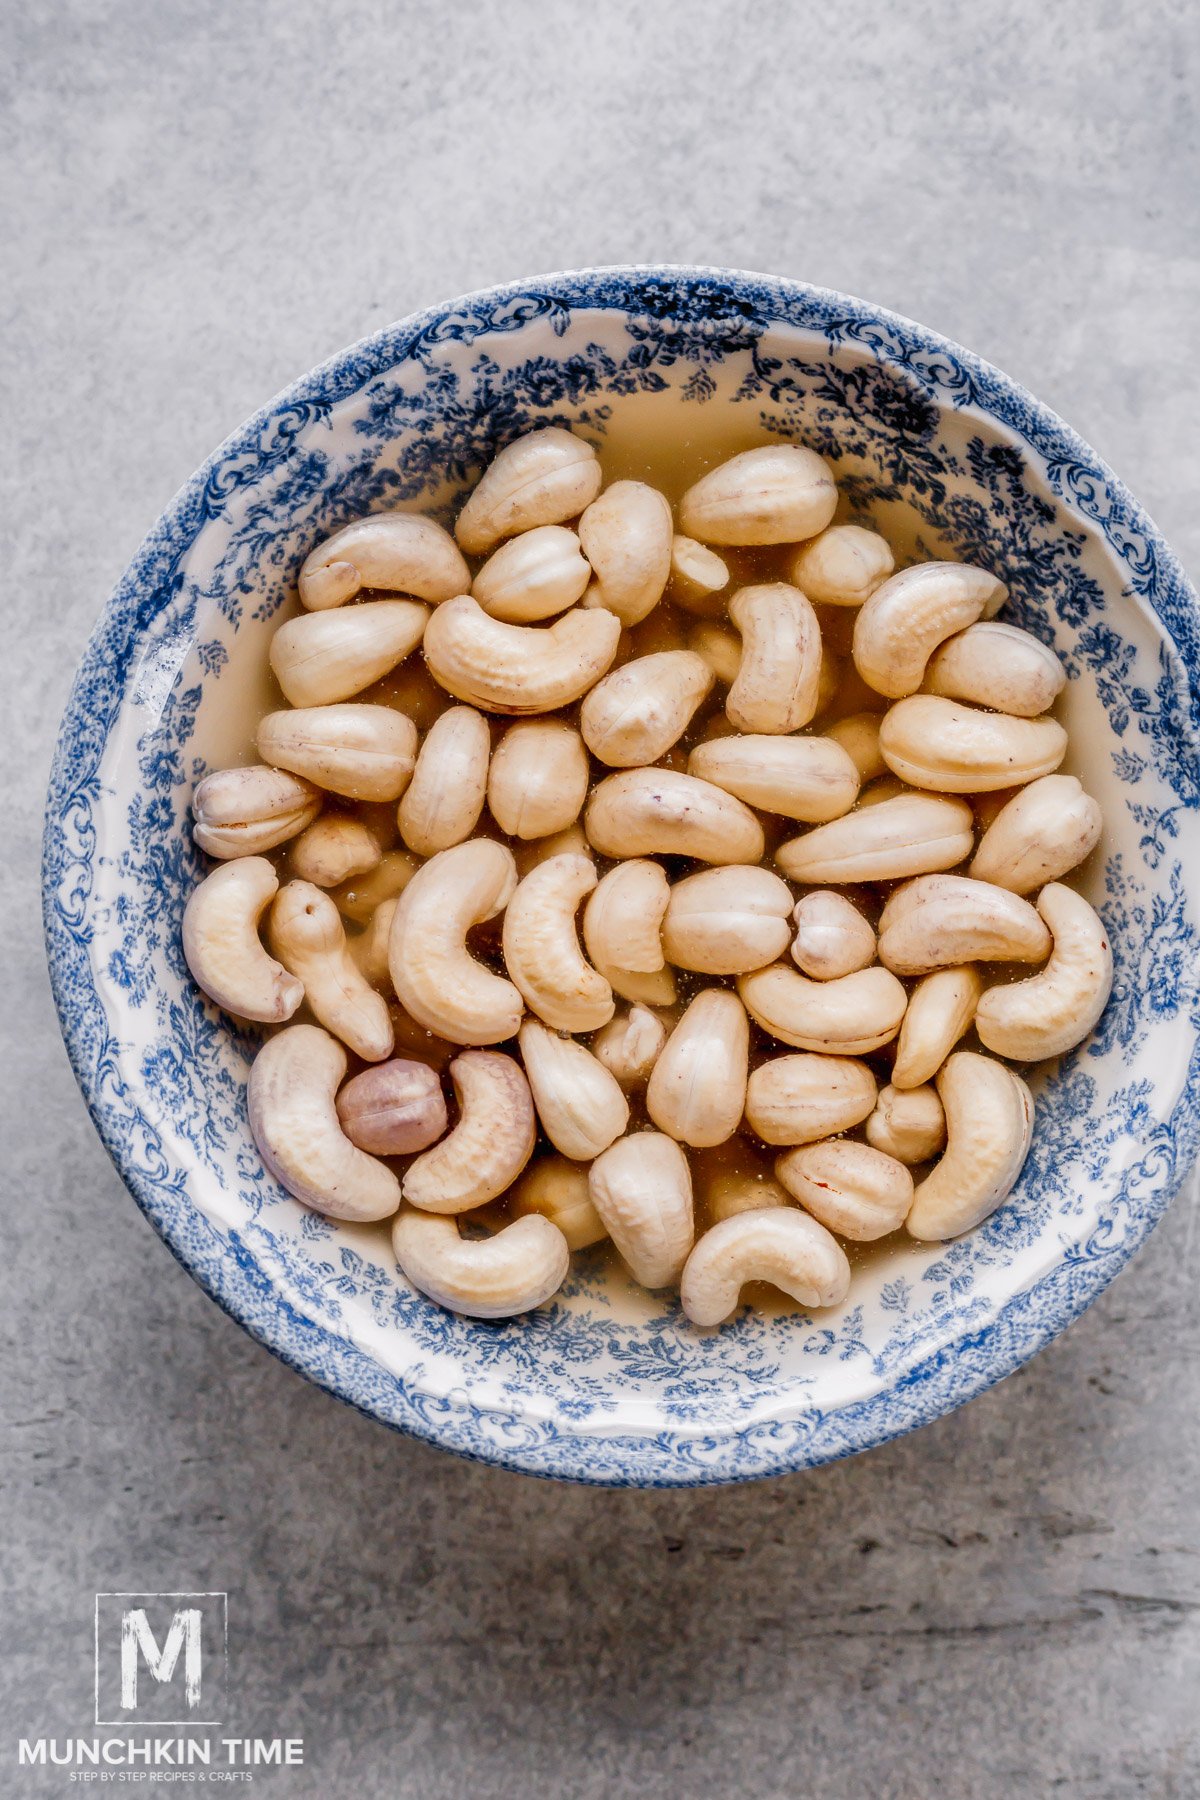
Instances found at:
x=949 y=458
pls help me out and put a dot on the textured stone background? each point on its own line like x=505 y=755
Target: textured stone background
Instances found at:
x=201 y=202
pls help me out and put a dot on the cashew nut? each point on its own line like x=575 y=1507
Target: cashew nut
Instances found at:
x=630 y=1045
x=362 y=896
x=799 y=1099
x=222 y=948
x=293 y=1120
x=643 y=812
x=849 y=1017
x=860 y=1193
x=580 y=1104
x=779 y=676
x=832 y=937
x=326 y=656
x=538 y=779
x=989 y=1122
x=333 y=849
x=558 y=1189
x=732 y=1191
x=541 y=478
x=393 y=1108
x=656 y=988
x=435 y=976
x=443 y=801
x=843 y=566
x=493 y=1140
x=698 y=576
x=400 y=552
x=858 y=736
x=776 y=1244
x=908 y=835
x=726 y=921
x=1055 y=1009
x=934 y=743
x=777 y=494
x=370 y=947
x=623 y=918
x=902 y=623
x=808 y=778
x=697 y=1090
x=908 y=1123
x=306 y=933
x=364 y=752
x=633 y=715
x=940 y=1008
x=1041 y=833
x=482 y=1278
x=242 y=812
x=570 y=842
x=938 y=920
x=626 y=536
x=518 y=668
x=999 y=666
x=541 y=949
x=719 y=647
x=533 y=576
x=642 y=1190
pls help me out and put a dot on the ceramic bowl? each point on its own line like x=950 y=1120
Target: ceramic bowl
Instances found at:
x=948 y=457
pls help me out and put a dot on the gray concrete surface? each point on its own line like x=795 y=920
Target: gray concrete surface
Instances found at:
x=200 y=202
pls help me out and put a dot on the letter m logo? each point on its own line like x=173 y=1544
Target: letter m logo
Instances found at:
x=160 y=1658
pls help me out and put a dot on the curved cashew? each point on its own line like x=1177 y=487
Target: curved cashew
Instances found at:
x=540 y=479
x=779 y=676
x=727 y=921
x=997 y=665
x=849 y=1017
x=558 y=1189
x=622 y=921
x=858 y=736
x=533 y=576
x=306 y=933
x=333 y=849
x=630 y=1045
x=903 y=622
x=908 y=1123
x=1054 y=1010
x=364 y=752
x=774 y=495
x=403 y=553
x=732 y=1191
x=832 y=937
x=908 y=835
x=435 y=976
x=697 y=1089
x=642 y=1190
x=860 y=1193
x=843 y=566
x=808 y=778
x=719 y=647
x=799 y=1099
x=580 y=1104
x=326 y=656
x=653 y=988
x=242 y=812
x=221 y=945
x=626 y=536
x=698 y=575
x=776 y=1244
x=633 y=715
x=940 y=1008
x=1042 y=832
x=538 y=779
x=518 y=668
x=493 y=1140
x=643 y=812
x=370 y=947
x=393 y=1108
x=293 y=1120
x=989 y=1122
x=361 y=897
x=934 y=743
x=541 y=949
x=938 y=920
x=481 y=1278
x=443 y=801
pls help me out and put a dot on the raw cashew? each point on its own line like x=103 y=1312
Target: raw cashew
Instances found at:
x=698 y=575
x=630 y=1045
x=541 y=949
x=778 y=680
x=393 y=1108
x=697 y=1089
x=938 y=920
x=989 y=1122
x=934 y=743
x=580 y=1104
x=643 y=812
x=333 y=849
x=908 y=1123
x=558 y=1189
x=370 y=949
x=940 y=1008
x=626 y=536
x=808 y=778
x=832 y=937
x=1054 y=1010
x=720 y=648
x=222 y=947
x=733 y=1191
x=997 y=665
x=538 y=779
x=843 y=566
x=774 y=495
x=293 y=1120
x=799 y=1099
x=533 y=576
x=326 y=656
x=493 y=1140
x=306 y=933
x=481 y=1278
x=400 y=552
x=858 y=736
x=242 y=812
x=443 y=801
x=726 y=921
x=776 y=1244
x=364 y=752
x=848 y=1017
x=622 y=922
x=860 y=1193
x=571 y=842
x=541 y=478
x=642 y=1190
x=908 y=835
x=518 y=668
x=656 y=988
x=360 y=898
x=902 y=623
x=435 y=976
x=1041 y=833
x=633 y=715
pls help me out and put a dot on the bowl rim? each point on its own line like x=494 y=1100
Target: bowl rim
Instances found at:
x=948 y=1376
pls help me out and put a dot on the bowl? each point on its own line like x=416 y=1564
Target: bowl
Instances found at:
x=948 y=457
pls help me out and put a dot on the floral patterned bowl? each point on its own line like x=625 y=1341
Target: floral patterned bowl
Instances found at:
x=949 y=457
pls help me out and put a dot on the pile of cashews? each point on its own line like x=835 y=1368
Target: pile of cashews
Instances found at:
x=442 y=837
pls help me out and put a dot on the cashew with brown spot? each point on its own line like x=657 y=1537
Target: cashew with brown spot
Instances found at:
x=908 y=835
x=807 y=778
x=435 y=976
x=832 y=937
x=579 y=1102
x=541 y=948
x=857 y=1191
x=323 y=657
x=778 y=494
x=940 y=1009
x=1045 y=830
x=333 y=849
x=697 y=1089
x=293 y=1119
x=400 y=552
x=800 y=1099
x=908 y=1123
x=848 y=1017
x=540 y=478
x=622 y=922
x=533 y=576
x=518 y=668
x=775 y=1244
x=779 y=676
x=633 y=715
x=497 y=1277
x=843 y=566
x=989 y=1122
x=222 y=948
x=306 y=933
x=443 y=801
x=491 y=1143
x=727 y=921
x=935 y=743
x=630 y=1045
x=393 y=1108
x=1055 y=1009
x=242 y=812
x=558 y=1189
x=363 y=752
x=626 y=536
x=642 y=1189
x=938 y=920
x=538 y=779
x=902 y=623
x=643 y=812
x=996 y=665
